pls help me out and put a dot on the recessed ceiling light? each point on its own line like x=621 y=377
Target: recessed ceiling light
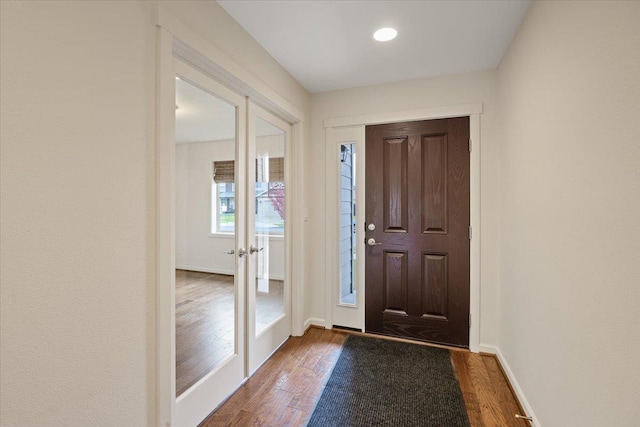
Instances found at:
x=385 y=34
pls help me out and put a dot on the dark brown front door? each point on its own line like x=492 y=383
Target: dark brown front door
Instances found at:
x=417 y=199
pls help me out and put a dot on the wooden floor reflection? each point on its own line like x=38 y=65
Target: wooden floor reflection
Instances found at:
x=205 y=322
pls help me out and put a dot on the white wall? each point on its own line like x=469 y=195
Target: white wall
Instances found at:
x=197 y=249
x=413 y=94
x=77 y=220
x=570 y=208
x=77 y=200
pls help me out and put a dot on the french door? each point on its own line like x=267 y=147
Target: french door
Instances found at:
x=232 y=296
x=269 y=293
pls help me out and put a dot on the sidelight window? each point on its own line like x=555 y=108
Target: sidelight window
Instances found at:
x=347 y=223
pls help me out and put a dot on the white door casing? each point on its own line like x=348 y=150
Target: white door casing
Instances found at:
x=351 y=129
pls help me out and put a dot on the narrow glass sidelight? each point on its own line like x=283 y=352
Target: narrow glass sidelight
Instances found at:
x=347 y=203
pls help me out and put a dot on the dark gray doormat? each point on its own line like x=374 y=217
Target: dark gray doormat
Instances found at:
x=388 y=383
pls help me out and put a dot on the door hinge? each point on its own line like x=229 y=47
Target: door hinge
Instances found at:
x=470 y=144
x=470 y=232
x=469 y=320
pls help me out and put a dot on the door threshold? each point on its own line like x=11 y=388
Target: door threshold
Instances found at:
x=392 y=338
x=346 y=328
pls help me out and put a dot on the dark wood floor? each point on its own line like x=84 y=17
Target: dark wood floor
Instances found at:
x=283 y=392
x=205 y=322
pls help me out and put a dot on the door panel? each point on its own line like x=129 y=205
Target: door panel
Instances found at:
x=395 y=204
x=269 y=309
x=269 y=192
x=417 y=197
x=434 y=286
x=434 y=184
x=396 y=285
x=209 y=308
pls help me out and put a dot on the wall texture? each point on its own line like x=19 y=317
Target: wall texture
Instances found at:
x=77 y=203
x=77 y=219
x=478 y=87
x=570 y=236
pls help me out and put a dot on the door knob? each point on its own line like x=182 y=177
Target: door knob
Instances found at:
x=372 y=242
x=253 y=249
x=242 y=252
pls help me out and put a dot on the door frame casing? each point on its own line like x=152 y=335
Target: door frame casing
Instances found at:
x=349 y=315
x=332 y=125
x=174 y=39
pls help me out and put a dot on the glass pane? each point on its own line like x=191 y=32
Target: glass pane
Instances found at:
x=205 y=302
x=347 y=223
x=269 y=223
x=226 y=208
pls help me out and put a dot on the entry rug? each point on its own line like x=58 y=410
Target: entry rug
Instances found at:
x=380 y=382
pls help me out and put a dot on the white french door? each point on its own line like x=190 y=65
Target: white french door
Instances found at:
x=232 y=305
x=269 y=292
x=210 y=350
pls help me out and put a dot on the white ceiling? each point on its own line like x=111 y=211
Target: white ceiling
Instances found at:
x=201 y=117
x=328 y=45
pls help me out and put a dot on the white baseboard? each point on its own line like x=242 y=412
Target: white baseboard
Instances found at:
x=487 y=348
x=315 y=322
x=217 y=271
x=205 y=270
x=516 y=387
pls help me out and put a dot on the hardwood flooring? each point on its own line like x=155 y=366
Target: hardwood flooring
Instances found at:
x=205 y=321
x=283 y=392
x=486 y=391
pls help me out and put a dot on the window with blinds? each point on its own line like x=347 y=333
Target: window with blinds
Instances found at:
x=269 y=193
x=224 y=170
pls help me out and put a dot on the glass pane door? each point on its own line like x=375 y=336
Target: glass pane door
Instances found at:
x=209 y=232
x=269 y=224
x=269 y=319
